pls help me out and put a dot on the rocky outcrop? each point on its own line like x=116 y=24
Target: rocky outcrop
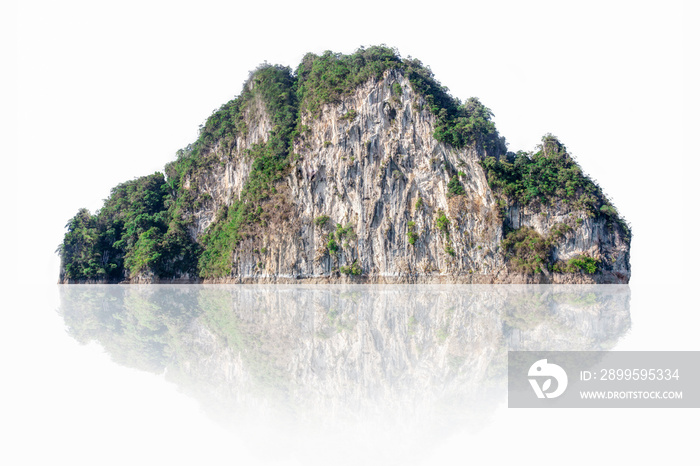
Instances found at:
x=369 y=194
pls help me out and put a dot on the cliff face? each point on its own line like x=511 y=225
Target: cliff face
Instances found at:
x=366 y=192
x=372 y=175
x=227 y=170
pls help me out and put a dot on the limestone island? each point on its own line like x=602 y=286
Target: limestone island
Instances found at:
x=356 y=168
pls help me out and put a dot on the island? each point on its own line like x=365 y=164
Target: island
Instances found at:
x=358 y=168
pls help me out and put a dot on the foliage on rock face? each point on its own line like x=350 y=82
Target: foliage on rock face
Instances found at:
x=548 y=176
x=581 y=263
x=443 y=223
x=327 y=78
x=337 y=237
x=411 y=233
x=353 y=269
x=321 y=221
x=143 y=227
x=528 y=252
x=275 y=86
x=454 y=187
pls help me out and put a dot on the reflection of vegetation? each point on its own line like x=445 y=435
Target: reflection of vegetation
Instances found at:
x=220 y=319
x=498 y=369
x=524 y=318
x=351 y=295
x=135 y=328
x=455 y=361
x=442 y=333
x=527 y=311
x=235 y=340
x=340 y=321
x=412 y=325
x=152 y=331
x=580 y=299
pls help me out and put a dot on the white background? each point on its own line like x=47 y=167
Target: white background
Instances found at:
x=96 y=93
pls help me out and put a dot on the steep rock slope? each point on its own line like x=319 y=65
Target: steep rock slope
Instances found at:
x=354 y=168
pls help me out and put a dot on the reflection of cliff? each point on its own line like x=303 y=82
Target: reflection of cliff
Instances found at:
x=334 y=352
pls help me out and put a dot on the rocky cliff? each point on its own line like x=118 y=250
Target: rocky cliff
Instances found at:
x=353 y=168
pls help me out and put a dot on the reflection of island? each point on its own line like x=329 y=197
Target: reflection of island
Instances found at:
x=425 y=354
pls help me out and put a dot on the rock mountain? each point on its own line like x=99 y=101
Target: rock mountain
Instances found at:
x=353 y=168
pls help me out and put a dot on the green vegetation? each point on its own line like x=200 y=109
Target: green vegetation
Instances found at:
x=454 y=187
x=332 y=246
x=143 y=225
x=585 y=264
x=81 y=258
x=353 y=269
x=325 y=79
x=458 y=124
x=557 y=232
x=335 y=238
x=549 y=176
x=344 y=232
x=443 y=223
x=450 y=250
x=528 y=252
x=411 y=233
x=137 y=230
x=419 y=203
x=350 y=115
x=321 y=221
